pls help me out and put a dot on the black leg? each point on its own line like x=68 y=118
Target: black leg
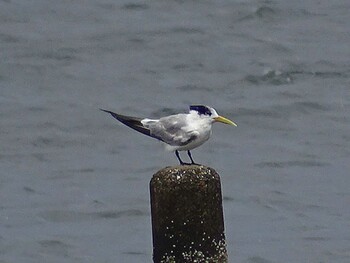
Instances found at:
x=190 y=155
x=178 y=157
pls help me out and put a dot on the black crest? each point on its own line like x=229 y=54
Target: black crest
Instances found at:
x=201 y=109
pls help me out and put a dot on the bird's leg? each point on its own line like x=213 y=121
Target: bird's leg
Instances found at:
x=190 y=155
x=178 y=157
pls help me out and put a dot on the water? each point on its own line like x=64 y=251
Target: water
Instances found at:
x=74 y=183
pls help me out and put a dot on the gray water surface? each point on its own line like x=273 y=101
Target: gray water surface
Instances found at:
x=74 y=183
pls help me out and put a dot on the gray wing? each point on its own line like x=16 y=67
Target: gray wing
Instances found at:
x=172 y=130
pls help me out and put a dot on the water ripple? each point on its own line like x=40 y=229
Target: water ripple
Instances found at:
x=287 y=164
x=75 y=216
x=54 y=247
x=273 y=77
x=257 y=259
x=135 y=6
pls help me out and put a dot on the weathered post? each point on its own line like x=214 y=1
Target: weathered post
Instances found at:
x=187 y=215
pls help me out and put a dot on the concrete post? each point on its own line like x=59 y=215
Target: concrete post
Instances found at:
x=187 y=215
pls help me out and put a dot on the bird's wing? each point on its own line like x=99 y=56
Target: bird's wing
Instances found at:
x=134 y=123
x=172 y=130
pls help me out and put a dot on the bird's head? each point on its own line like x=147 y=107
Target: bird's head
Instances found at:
x=210 y=113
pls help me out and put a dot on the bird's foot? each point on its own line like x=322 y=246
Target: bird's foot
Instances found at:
x=183 y=163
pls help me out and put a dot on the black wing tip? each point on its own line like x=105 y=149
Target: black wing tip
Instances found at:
x=122 y=118
x=115 y=115
x=110 y=112
x=105 y=110
x=133 y=123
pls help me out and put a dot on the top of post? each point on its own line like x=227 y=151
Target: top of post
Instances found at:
x=183 y=173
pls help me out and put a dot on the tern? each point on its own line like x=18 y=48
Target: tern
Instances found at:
x=179 y=132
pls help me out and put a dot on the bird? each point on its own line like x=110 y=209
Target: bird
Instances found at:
x=179 y=132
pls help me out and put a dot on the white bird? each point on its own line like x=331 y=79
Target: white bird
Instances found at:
x=180 y=132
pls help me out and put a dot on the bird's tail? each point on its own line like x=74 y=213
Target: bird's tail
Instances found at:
x=132 y=122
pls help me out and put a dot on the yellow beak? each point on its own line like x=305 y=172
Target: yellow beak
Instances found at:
x=224 y=120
